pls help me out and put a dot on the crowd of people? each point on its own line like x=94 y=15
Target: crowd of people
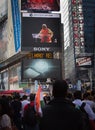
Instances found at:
x=61 y=110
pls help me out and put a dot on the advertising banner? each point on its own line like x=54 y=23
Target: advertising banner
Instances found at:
x=40 y=32
x=16 y=23
x=41 y=69
x=84 y=61
x=40 y=5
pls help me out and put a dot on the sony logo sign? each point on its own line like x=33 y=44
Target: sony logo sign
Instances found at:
x=41 y=49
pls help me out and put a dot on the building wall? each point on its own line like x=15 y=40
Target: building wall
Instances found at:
x=3 y=29
x=89 y=26
x=68 y=52
x=11 y=47
x=89 y=32
x=78 y=18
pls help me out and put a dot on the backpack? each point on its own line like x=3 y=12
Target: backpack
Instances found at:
x=30 y=116
x=85 y=118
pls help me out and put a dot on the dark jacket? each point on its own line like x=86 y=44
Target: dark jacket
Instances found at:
x=59 y=114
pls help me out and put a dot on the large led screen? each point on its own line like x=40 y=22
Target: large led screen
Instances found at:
x=40 y=5
x=41 y=69
x=40 y=30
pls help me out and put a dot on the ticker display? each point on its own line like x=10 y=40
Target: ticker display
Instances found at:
x=40 y=55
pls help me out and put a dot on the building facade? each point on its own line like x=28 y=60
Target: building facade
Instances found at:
x=77 y=39
x=43 y=59
x=81 y=40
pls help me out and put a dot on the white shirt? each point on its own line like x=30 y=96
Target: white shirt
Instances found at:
x=24 y=103
x=91 y=103
x=87 y=108
x=77 y=102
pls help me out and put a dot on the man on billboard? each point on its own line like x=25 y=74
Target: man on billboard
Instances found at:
x=45 y=34
x=40 y=30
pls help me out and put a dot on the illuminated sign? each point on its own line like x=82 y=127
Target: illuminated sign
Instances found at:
x=40 y=5
x=40 y=55
x=41 y=30
x=78 y=23
x=41 y=69
x=84 y=61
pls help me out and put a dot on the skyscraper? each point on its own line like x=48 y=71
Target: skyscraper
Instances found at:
x=89 y=24
x=78 y=17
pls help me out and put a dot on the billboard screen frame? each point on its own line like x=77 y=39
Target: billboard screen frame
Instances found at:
x=38 y=69
x=40 y=5
x=31 y=27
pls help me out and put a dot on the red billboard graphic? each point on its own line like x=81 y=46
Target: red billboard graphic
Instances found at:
x=40 y=5
x=40 y=30
x=41 y=69
x=84 y=61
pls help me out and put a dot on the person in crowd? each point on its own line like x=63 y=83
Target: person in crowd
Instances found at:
x=16 y=108
x=89 y=100
x=78 y=102
x=24 y=102
x=93 y=95
x=69 y=96
x=59 y=114
x=5 y=118
x=45 y=34
x=29 y=109
x=46 y=99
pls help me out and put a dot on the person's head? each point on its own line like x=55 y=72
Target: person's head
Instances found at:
x=24 y=97
x=44 y=26
x=60 y=88
x=4 y=107
x=77 y=94
x=32 y=97
x=70 y=96
x=17 y=96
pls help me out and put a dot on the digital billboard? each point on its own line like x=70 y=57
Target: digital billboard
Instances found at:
x=40 y=55
x=40 y=5
x=40 y=30
x=41 y=69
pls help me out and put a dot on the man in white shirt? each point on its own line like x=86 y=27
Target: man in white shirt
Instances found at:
x=24 y=102
x=78 y=102
x=86 y=99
